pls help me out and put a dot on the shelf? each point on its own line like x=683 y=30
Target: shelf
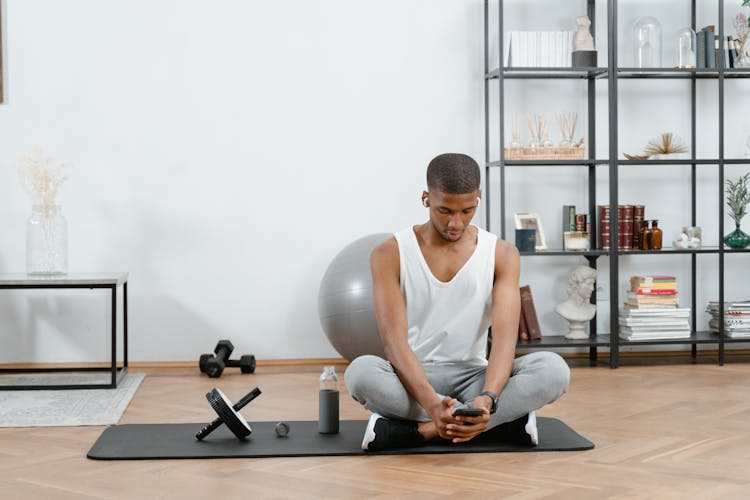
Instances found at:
x=622 y=73
x=548 y=163
x=695 y=338
x=733 y=341
x=587 y=253
x=663 y=251
x=670 y=251
x=684 y=161
x=541 y=73
x=546 y=341
x=669 y=73
x=613 y=126
x=587 y=162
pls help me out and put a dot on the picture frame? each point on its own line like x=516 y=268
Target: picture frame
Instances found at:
x=532 y=221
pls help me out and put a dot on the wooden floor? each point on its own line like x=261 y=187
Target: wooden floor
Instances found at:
x=661 y=431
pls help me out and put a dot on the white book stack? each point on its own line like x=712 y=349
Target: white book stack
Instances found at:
x=655 y=324
x=538 y=49
x=736 y=318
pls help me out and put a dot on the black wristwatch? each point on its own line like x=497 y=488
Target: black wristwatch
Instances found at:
x=493 y=397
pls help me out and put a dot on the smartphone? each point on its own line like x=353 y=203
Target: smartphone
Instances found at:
x=468 y=412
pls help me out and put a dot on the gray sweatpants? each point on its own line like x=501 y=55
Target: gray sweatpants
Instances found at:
x=536 y=379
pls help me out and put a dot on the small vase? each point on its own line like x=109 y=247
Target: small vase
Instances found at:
x=46 y=241
x=743 y=61
x=737 y=239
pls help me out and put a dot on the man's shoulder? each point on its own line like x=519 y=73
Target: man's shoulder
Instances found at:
x=388 y=246
x=386 y=251
x=506 y=251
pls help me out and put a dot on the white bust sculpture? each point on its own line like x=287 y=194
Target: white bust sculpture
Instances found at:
x=583 y=39
x=577 y=309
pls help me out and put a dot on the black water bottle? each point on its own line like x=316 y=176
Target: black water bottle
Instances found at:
x=328 y=402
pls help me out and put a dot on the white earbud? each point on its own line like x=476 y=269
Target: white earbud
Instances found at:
x=426 y=202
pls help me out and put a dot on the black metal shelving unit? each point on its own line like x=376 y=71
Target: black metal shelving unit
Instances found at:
x=612 y=73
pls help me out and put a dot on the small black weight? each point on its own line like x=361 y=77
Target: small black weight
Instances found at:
x=203 y=360
x=246 y=363
x=213 y=365
x=281 y=429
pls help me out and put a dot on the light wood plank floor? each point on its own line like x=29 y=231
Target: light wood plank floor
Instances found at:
x=661 y=431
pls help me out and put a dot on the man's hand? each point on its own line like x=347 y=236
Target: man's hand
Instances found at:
x=442 y=416
x=467 y=428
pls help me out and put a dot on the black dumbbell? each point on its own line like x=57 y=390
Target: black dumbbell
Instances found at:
x=213 y=365
x=228 y=414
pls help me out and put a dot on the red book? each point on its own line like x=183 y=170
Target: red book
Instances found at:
x=523 y=332
x=529 y=313
x=655 y=291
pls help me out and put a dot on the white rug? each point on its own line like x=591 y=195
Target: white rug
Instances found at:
x=43 y=408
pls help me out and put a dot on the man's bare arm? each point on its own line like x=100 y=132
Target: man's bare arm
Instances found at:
x=506 y=308
x=390 y=312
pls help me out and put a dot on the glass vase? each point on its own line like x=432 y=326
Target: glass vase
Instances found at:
x=743 y=59
x=46 y=241
x=737 y=239
x=647 y=41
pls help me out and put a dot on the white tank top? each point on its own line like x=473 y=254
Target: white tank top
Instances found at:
x=448 y=321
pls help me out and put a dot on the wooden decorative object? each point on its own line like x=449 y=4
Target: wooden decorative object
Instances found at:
x=542 y=153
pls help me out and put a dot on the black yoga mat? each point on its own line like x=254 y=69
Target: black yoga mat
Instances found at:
x=163 y=441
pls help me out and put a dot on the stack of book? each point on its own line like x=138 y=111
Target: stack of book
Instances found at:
x=652 y=310
x=629 y=219
x=736 y=318
x=655 y=324
x=541 y=49
x=709 y=51
x=652 y=292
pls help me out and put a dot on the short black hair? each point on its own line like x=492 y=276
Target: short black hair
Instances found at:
x=453 y=173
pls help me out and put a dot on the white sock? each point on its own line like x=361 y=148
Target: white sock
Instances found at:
x=530 y=428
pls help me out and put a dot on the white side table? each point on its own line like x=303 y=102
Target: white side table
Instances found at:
x=21 y=281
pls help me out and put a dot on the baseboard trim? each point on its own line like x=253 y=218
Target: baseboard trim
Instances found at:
x=702 y=353
x=134 y=365
x=602 y=355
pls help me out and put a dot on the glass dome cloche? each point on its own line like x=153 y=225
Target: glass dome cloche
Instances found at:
x=647 y=42
x=686 y=45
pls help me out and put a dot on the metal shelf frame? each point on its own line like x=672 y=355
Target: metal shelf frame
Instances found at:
x=612 y=73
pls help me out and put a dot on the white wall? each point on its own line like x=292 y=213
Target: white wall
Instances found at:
x=225 y=151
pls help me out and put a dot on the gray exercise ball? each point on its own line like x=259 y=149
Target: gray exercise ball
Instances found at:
x=345 y=300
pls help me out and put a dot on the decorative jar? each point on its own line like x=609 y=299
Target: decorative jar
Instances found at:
x=737 y=238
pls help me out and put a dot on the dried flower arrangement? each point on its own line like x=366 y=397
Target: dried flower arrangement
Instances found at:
x=515 y=131
x=538 y=126
x=568 y=122
x=541 y=146
x=741 y=27
x=42 y=178
x=666 y=144
x=738 y=197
